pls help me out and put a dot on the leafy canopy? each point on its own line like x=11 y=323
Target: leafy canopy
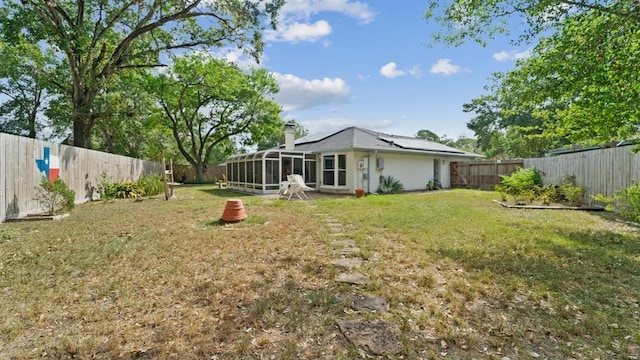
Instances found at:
x=97 y=39
x=210 y=103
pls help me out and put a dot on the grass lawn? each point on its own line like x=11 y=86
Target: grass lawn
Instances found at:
x=464 y=278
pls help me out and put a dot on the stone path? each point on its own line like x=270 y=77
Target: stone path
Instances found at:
x=377 y=337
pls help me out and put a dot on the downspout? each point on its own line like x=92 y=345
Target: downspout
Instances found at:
x=375 y=153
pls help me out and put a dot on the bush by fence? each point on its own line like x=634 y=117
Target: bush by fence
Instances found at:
x=602 y=171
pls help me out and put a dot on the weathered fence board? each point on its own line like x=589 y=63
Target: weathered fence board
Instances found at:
x=481 y=174
x=602 y=171
x=23 y=163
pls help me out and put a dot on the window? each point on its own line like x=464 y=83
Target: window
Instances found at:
x=334 y=170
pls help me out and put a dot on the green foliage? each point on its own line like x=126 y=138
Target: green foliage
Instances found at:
x=8 y=233
x=390 y=185
x=570 y=191
x=277 y=137
x=55 y=196
x=628 y=201
x=210 y=104
x=427 y=135
x=98 y=40
x=505 y=130
x=150 y=184
x=479 y=21
x=128 y=190
x=578 y=86
x=521 y=182
x=107 y=189
x=548 y=194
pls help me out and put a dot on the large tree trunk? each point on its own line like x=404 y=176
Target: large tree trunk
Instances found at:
x=82 y=130
x=83 y=118
x=201 y=170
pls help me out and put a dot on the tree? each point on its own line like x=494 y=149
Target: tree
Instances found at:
x=99 y=38
x=428 y=135
x=582 y=82
x=479 y=21
x=207 y=102
x=278 y=136
x=504 y=130
x=22 y=88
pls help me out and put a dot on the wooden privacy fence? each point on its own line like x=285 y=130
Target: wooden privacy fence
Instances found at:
x=483 y=175
x=184 y=173
x=602 y=171
x=24 y=161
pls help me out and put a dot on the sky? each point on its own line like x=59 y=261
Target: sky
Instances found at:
x=373 y=64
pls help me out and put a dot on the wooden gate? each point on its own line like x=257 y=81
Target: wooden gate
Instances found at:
x=483 y=175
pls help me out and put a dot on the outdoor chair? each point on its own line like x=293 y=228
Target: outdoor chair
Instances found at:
x=284 y=188
x=297 y=187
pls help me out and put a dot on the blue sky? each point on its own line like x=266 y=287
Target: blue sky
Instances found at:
x=342 y=63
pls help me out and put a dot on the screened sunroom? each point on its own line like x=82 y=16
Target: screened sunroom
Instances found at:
x=263 y=171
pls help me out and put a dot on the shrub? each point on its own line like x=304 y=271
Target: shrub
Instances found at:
x=570 y=191
x=151 y=184
x=55 y=196
x=126 y=190
x=106 y=188
x=390 y=185
x=548 y=194
x=628 y=201
x=522 y=184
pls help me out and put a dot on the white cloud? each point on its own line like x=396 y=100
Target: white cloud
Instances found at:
x=512 y=55
x=331 y=125
x=238 y=57
x=305 y=8
x=297 y=93
x=445 y=67
x=295 y=24
x=391 y=71
x=297 y=32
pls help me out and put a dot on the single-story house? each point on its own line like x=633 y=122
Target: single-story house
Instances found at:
x=345 y=160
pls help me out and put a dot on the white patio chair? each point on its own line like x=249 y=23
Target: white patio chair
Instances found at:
x=298 y=187
x=284 y=188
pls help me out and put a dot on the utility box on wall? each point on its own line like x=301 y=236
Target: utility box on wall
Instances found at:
x=380 y=163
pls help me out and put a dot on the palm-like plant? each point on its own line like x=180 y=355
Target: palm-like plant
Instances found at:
x=390 y=185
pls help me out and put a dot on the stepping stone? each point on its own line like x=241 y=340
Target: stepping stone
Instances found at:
x=348 y=251
x=369 y=302
x=349 y=243
x=347 y=263
x=378 y=337
x=355 y=279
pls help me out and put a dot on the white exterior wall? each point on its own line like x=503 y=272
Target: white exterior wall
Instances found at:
x=413 y=170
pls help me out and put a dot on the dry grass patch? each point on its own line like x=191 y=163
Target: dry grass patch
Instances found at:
x=152 y=278
x=463 y=277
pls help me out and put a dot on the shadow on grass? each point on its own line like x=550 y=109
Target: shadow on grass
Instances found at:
x=595 y=274
x=224 y=193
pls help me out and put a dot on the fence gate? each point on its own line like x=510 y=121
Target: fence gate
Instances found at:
x=483 y=175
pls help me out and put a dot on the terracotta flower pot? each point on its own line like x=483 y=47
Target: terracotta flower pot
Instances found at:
x=359 y=193
x=233 y=211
